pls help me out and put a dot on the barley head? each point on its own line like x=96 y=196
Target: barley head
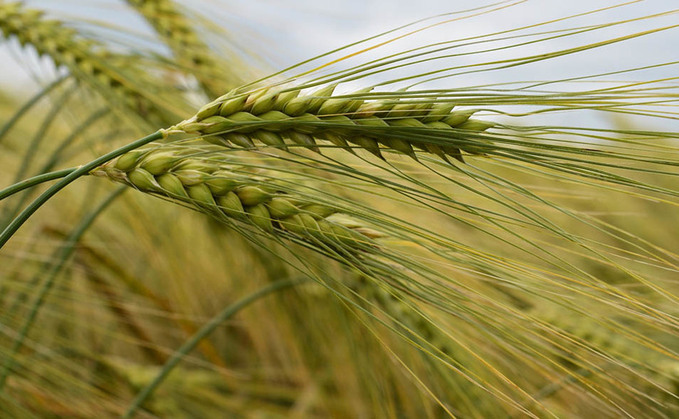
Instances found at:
x=280 y=118
x=86 y=59
x=233 y=194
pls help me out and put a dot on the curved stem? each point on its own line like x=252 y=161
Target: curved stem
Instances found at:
x=35 y=180
x=204 y=331
x=82 y=170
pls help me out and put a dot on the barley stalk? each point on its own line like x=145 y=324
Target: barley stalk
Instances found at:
x=279 y=118
x=225 y=192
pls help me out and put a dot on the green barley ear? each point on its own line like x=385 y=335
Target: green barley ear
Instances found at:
x=224 y=192
x=271 y=117
x=88 y=60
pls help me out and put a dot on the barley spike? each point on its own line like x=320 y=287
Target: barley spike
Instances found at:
x=284 y=117
x=229 y=194
x=86 y=59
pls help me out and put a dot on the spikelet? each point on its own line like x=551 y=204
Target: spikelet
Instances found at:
x=227 y=193
x=284 y=117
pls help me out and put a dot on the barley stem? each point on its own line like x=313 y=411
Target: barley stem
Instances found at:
x=19 y=220
x=33 y=181
x=53 y=160
x=41 y=133
x=204 y=332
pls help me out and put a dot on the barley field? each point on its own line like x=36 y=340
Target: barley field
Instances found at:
x=223 y=209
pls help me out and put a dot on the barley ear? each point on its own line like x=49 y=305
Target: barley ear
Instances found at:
x=217 y=190
x=279 y=119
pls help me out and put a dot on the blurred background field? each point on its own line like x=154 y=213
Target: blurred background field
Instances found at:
x=518 y=290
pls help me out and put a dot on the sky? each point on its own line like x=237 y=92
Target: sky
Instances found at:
x=290 y=31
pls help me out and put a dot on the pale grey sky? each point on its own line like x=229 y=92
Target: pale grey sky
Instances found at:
x=291 y=31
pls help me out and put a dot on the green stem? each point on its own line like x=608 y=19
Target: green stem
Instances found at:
x=63 y=255
x=206 y=330
x=18 y=221
x=35 y=180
